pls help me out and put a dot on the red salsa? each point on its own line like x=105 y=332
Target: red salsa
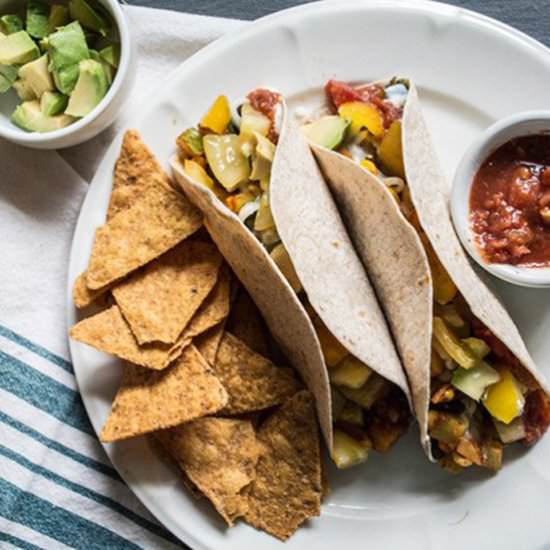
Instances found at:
x=510 y=203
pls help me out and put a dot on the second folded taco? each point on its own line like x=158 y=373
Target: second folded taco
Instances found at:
x=474 y=384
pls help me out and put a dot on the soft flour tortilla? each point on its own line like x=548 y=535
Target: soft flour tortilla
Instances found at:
x=323 y=256
x=283 y=312
x=396 y=260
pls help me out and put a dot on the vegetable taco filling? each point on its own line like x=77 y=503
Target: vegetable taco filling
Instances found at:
x=232 y=153
x=481 y=396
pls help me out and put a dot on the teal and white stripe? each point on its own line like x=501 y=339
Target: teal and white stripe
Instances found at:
x=57 y=488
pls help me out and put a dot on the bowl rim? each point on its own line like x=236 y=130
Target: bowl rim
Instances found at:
x=517 y=125
x=18 y=135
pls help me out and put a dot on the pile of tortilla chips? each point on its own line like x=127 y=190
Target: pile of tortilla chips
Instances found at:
x=199 y=372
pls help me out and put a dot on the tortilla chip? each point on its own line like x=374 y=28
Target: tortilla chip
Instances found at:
x=159 y=301
x=151 y=226
x=136 y=170
x=214 y=309
x=247 y=324
x=252 y=382
x=108 y=331
x=83 y=296
x=148 y=400
x=208 y=343
x=219 y=456
x=288 y=488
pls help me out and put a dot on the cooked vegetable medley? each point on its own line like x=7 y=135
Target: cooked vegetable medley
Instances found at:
x=232 y=155
x=481 y=396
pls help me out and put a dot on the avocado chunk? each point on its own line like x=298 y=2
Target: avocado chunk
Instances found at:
x=328 y=131
x=88 y=17
x=8 y=75
x=10 y=24
x=59 y=16
x=111 y=54
x=90 y=89
x=53 y=103
x=17 y=49
x=37 y=75
x=24 y=90
x=29 y=116
x=38 y=14
x=66 y=48
x=473 y=382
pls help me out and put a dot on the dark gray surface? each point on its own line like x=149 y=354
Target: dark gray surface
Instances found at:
x=530 y=16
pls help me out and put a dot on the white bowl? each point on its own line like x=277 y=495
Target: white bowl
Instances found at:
x=521 y=124
x=96 y=121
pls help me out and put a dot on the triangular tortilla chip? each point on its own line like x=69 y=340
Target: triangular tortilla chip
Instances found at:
x=151 y=400
x=288 y=488
x=159 y=301
x=219 y=456
x=247 y=324
x=208 y=343
x=214 y=309
x=151 y=226
x=252 y=382
x=82 y=295
x=108 y=331
x=136 y=169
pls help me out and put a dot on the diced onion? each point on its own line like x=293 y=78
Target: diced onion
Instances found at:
x=248 y=209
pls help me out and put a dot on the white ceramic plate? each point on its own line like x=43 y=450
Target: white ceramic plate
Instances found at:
x=470 y=71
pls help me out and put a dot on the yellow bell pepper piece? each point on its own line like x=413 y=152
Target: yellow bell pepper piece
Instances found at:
x=333 y=351
x=218 y=116
x=280 y=256
x=452 y=345
x=351 y=373
x=504 y=399
x=197 y=173
x=444 y=288
x=390 y=151
x=347 y=452
x=363 y=115
x=370 y=166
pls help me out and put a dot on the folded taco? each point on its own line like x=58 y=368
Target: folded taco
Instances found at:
x=475 y=387
x=268 y=209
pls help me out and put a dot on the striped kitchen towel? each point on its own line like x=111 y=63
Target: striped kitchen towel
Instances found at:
x=57 y=487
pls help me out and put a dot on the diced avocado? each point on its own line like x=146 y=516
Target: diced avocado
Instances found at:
x=24 y=90
x=89 y=90
x=18 y=48
x=94 y=54
x=328 y=131
x=88 y=17
x=263 y=157
x=473 y=382
x=43 y=44
x=504 y=400
x=53 y=103
x=347 y=452
x=37 y=75
x=190 y=142
x=375 y=388
x=67 y=48
x=29 y=116
x=10 y=24
x=351 y=373
x=226 y=160
x=264 y=217
x=111 y=54
x=477 y=346
x=8 y=75
x=38 y=15
x=59 y=16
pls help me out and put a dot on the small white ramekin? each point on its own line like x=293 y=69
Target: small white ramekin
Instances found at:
x=96 y=121
x=521 y=124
